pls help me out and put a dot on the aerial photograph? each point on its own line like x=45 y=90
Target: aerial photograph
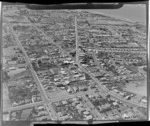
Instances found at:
x=74 y=65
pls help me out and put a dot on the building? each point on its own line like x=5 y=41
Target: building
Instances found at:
x=88 y=117
x=11 y=62
x=125 y=116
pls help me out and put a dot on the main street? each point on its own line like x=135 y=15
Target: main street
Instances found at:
x=77 y=44
x=92 y=108
x=100 y=86
x=46 y=100
x=40 y=87
x=122 y=76
x=49 y=38
x=54 y=99
x=43 y=93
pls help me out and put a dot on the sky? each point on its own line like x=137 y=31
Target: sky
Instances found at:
x=135 y=13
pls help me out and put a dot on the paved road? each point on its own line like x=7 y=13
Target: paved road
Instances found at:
x=23 y=106
x=100 y=86
x=49 y=38
x=135 y=103
x=96 y=62
x=44 y=96
x=43 y=93
x=51 y=112
x=111 y=93
x=77 y=44
x=64 y=97
x=92 y=108
x=54 y=99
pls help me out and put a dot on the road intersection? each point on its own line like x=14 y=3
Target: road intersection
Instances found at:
x=48 y=101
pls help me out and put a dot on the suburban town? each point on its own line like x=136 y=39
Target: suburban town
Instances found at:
x=72 y=65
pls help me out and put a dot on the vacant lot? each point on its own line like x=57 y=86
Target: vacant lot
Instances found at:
x=137 y=87
x=6 y=100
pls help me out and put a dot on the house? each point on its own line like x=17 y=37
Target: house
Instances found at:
x=64 y=102
x=127 y=97
x=12 y=62
x=32 y=59
x=79 y=106
x=82 y=87
x=76 y=75
x=59 y=114
x=12 y=68
x=28 y=101
x=117 y=117
x=115 y=90
x=14 y=104
x=144 y=100
x=56 y=79
x=64 y=117
x=75 y=99
x=122 y=93
x=114 y=87
x=125 y=116
x=75 y=88
x=104 y=118
x=115 y=103
x=5 y=117
x=66 y=82
x=82 y=77
x=42 y=113
x=88 y=117
x=40 y=107
x=41 y=118
x=63 y=71
x=105 y=106
x=14 y=114
x=69 y=90
x=86 y=112
x=81 y=110
x=38 y=98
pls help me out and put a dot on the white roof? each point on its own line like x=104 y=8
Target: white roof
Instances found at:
x=86 y=112
x=144 y=100
x=10 y=68
x=125 y=115
x=88 y=117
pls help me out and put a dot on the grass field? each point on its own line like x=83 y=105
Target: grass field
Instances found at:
x=137 y=87
x=6 y=100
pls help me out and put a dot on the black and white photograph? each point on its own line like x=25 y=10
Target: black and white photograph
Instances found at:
x=74 y=64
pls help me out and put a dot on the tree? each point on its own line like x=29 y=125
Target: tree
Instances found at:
x=39 y=62
x=96 y=103
x=108 y=96
x=14 y=58
x=145 y=69
x=73 y=54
